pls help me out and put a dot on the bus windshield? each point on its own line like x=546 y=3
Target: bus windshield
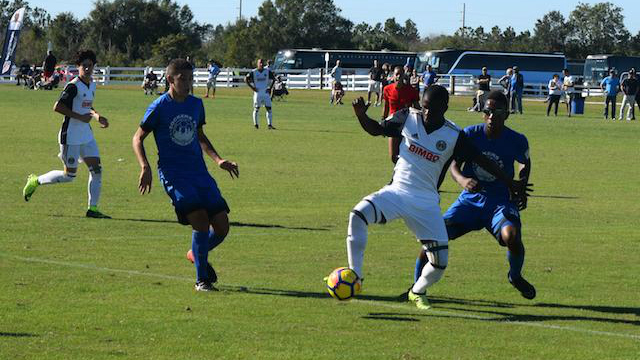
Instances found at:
x=428 y=58
x=595 y=70
x=284 y=60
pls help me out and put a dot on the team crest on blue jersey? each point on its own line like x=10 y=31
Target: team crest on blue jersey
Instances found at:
x=441 y=145
x=481 y=173
x=182 y=129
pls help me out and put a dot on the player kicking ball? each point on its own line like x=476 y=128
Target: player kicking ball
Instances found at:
x=429 y=143
x=485 y=202
x=176 y=120
x=76 y=140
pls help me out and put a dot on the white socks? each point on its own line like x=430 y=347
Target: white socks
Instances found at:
x=269 y=117
x=94 y=186
x=356 y=243
x=55 y=176
x=255 y=116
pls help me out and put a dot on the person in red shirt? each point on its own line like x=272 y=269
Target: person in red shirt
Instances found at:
x=399 y=94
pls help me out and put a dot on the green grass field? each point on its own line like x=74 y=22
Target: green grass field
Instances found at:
x=77 y=288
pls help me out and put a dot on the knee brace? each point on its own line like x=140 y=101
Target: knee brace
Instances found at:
x=437 y=253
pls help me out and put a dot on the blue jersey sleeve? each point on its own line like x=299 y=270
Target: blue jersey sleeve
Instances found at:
x=523 y=151
x=150 y=119
x=201 y=117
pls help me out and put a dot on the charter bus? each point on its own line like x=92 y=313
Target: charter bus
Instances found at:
x=349 y=59
x=535 y=67
x=596 y=67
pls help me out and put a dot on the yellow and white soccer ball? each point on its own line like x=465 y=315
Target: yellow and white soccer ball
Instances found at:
x=343 y=284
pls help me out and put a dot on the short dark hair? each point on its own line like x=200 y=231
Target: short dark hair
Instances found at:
x=500 y=99
x=177 y=65
x=438 y=96
x=565 y=69
x=83 y=55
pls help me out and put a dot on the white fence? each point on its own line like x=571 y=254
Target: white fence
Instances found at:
x=352 y=79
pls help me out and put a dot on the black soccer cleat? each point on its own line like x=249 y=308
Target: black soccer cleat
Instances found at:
x=526 y=290
x=270 y=127
x=204 y=286
x=256 y=126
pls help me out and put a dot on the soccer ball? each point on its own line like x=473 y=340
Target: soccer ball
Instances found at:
x=343 y=284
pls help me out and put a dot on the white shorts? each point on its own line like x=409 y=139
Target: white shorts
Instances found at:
x=71 y=155
x=261 y=98
x=374 y=86
x=211 y=83
x=421 y=215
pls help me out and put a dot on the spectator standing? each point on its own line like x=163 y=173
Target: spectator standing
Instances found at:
x=429 y=77
x=610 y=86
x=336 y=76
x=505 y=81
x=414 y=80
x=516 y=89
x=484 y=86
x=386 y=75
x=555 y=91
x=49 y=65
x=568 y=86
x=630 y=89
x=375 y=82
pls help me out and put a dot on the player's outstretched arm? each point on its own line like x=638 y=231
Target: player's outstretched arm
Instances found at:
x=145 y=179
x=229 y=166
x=368 y=124
x=469 y=184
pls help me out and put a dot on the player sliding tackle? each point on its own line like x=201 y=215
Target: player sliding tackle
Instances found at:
x=429 y=144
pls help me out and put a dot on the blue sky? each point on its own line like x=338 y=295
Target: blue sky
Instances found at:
x=431 y=17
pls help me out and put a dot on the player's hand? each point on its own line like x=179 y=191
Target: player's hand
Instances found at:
x=360 y=107
x=470 y=184
x=229 y=166
x=104 y=123
x=520 y=192
x=144 y=183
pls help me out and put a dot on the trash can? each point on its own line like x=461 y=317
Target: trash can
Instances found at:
x=577 y=104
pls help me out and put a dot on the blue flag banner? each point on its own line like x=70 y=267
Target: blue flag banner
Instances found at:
x=11 y=41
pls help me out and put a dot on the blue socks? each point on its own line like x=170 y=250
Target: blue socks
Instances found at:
x=515 y=263
x=200 y=248
x=420 y=263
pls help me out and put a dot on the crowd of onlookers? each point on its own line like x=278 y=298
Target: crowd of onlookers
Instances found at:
x=47 y=77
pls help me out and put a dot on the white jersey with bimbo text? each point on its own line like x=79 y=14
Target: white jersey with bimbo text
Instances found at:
x=77 y=96
x=423 y=157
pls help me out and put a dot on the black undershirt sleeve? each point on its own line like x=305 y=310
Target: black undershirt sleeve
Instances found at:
x=68 y=94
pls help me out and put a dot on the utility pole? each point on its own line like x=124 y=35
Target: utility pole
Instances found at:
x=240 y=8
x=463 y=15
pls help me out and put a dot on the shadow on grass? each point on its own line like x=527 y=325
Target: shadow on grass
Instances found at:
x=232 y=223
x=300 y=294
x=16 y=335
x=448 y=304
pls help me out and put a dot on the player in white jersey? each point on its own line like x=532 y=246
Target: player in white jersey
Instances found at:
x=260 y=80
x=429 y=144
x=76 y=140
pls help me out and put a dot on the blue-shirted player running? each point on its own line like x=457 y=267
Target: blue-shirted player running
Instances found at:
x=485 y=201
x=176 y=119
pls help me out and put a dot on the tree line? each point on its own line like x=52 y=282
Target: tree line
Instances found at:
x=150 y=32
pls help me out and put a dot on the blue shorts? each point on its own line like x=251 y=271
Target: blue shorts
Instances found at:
x=189 y=193
x=464 y=216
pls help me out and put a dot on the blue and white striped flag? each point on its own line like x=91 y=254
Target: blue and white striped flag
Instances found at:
x=11 y=41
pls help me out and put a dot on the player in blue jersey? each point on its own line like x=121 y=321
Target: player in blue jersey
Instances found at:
x=485 y=202
x=176 y=120
x=213 y=69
